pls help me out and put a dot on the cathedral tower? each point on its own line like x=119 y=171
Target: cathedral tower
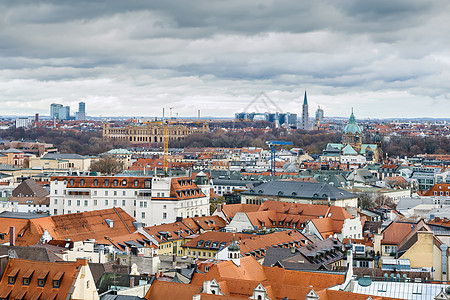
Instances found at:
x=305 y=114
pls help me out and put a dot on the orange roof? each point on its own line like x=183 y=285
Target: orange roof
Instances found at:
x=230 y=210
x=327 y=226
x=76 y=227
x=163 y=290
x=66 y=272
x=395 y=232
x=440 y=221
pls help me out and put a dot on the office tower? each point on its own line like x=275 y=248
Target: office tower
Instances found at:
x=81 y=114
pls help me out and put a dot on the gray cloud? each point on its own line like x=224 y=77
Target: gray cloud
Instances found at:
x=135 y=57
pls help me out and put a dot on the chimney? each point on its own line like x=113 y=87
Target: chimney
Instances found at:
x=179 y=219
x=82 y=261
x=219 y=207
x=12 y=236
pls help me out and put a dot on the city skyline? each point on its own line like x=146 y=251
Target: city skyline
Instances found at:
x=387 y=60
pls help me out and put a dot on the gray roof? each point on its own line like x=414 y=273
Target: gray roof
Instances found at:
x=300 y=189
x=32 y=253
x=21 y=215
x=233 y=182
x=63 y=156
x=119 y=297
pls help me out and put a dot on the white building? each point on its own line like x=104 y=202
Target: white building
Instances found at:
x=153 y=201
x=24 y=122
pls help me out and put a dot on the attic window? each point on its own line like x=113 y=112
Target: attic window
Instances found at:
x=72 y=181
x=124 y=182
x=82 y=182
x=42 y=278
x=116 y=182
x=95 y=182
x=27 y=277
x=12 y=276
x=106 y=182
x=280 y=193
x=136 y=182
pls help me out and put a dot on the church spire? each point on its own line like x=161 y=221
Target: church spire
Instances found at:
x=305 y=100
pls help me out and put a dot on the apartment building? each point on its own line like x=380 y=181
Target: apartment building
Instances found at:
x=150 y=200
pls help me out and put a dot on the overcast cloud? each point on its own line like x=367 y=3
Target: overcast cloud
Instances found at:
x=385 y=58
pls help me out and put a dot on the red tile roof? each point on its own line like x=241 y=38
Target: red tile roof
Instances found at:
x=66 y=272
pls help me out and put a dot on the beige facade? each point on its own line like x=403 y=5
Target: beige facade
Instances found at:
x=149 y=133
x=41 y=163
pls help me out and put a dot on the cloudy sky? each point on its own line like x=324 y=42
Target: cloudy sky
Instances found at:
x=385 y=58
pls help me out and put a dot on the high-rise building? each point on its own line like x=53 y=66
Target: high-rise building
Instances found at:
x=305 y=114
x=81 y=114
x=59 y=112
x=54 y=110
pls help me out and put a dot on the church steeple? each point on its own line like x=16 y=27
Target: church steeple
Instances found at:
x=234 y=253
x=305 y=114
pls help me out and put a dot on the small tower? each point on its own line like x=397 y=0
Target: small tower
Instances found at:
x=234 y=253
x=202 y=181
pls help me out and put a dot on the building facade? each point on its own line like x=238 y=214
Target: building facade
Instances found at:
x=149 y=133
x=152 y=201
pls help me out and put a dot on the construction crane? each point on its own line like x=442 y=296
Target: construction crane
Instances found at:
x=272 y=145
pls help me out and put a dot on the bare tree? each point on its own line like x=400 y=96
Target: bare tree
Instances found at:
x=107 y=165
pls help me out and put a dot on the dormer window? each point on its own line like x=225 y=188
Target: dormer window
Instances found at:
x=72 y=181
x=95 y=182
x=106 y=182
x=42 y=278
x=57 y=279
x=124 y=182
x=27 y=277
x=136 y=182
x=116 y=182
x=82 y=182
x=12 y=276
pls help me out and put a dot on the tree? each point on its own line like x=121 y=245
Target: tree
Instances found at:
x=107 y=165
x=381 y=200
x=365 y=201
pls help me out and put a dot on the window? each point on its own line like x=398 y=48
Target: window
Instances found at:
x=41 y=282
x=143 y=215
x=85 y=203
x=115 y=193
x=56 y=283
x=72 y=181
x=164 y=206
x=141 y=203
x=106 y=202
x=95 y=193
x=69 y=211
x=26 y=281
x=106 y=182
x=106 y=193
x=82 y=182
x=124 y=182
x=95 y=202
x=123 y=202
x=12 y=279
x=95 y=182
x=69 y=202
x=56 y=201
x=136 y=182
x=364 y=264
x=145 y=203
x=115 y=202
x=78 y=202
x=164 y=215
x=56 y=192
x=124 y=193
x=116 y=182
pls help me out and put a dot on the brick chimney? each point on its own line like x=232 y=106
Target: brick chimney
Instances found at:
x=12 y=236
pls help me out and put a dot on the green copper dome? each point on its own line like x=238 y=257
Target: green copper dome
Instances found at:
x=233 y=246
x=352 y=127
